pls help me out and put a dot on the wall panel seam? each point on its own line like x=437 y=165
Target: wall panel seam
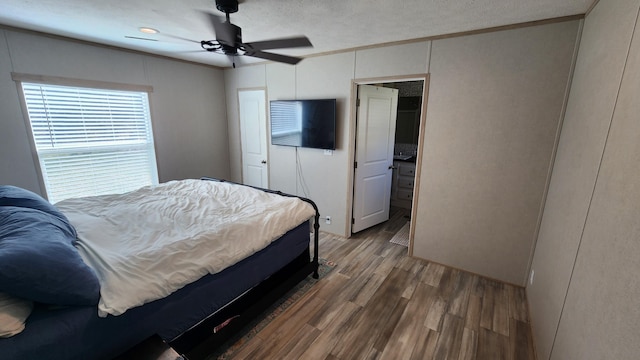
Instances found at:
x=554 y=151
x=595 y=184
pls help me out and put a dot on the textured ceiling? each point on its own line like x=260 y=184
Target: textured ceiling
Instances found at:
x=331 y=25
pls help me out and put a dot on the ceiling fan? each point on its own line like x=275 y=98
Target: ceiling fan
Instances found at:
x=229 y=39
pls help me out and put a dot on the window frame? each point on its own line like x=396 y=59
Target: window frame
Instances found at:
x=20 y=78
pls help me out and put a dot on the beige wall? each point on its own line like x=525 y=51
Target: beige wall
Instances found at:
x=392 y=60
x=323 y=178
x=495 y=101
x=586 y=259
x=187 y=104
x=494 y=107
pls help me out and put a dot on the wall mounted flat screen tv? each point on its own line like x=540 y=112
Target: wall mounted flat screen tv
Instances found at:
x=304 y=123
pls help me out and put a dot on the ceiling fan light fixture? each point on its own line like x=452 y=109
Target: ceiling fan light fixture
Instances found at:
x=148 y=30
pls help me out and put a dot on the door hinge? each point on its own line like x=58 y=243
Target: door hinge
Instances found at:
x=355 y=164
x=357 y=102
x=353 y=221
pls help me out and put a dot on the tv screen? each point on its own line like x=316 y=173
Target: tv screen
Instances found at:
x=304 y=123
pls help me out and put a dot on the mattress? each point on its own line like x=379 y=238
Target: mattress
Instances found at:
x=145 y=244
x=78 y=332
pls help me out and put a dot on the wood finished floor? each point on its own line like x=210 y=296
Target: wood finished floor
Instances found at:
x=378 y=303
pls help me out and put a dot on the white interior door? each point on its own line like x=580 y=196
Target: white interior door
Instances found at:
x=376 y=126
x=253 y=129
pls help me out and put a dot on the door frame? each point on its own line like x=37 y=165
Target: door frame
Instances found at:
x=352 y=142
x=267 y=127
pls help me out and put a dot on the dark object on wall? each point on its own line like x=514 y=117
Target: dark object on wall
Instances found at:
x=304 y=123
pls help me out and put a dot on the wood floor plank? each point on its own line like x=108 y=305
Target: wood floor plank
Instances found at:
x=492 y=346
x=447 y=281
x=390 y=260
x=473 y=285
x=406 y=333
x=521 y=341
x=379 y=303
x=358 y=258
x=501 y=311
x=469 y=345
x=342 y=248
x=389 y=325
x=411 y=287
x=373 y=354
x=426 y=345
x=249 y=350
x=373 y=320
x=460 y=295
x=478 y=290
x=406 y=263
x=333 y=333
x=372 y=284
x=518 y=304
x=327 y=289
x=436 y=313
x=486 y=314
x=298 y=344
x=329 y=313
x=474 y=309
x=450 y=340
x=299 y=311
x=362 y=286
x=328 y=243
x=281 y=333
x=395 y=251
x=397 y=220
x=432 y=274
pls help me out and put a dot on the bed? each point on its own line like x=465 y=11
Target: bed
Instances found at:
x=87 y=299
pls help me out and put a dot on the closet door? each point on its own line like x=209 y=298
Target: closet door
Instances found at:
x=253 y=128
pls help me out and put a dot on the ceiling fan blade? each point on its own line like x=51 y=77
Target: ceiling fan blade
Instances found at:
x=191 y=52
x=293 y=42
x=274 y=57
x=179 y=38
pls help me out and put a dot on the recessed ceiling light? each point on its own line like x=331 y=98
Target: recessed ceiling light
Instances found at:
x=148 y=30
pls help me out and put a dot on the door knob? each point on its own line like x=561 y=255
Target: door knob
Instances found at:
x=391 y=167
x=264 y=161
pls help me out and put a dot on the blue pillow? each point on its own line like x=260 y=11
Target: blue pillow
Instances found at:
x=15 y=196
x=39 y=262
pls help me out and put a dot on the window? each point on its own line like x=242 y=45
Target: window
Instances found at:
x=90 y=141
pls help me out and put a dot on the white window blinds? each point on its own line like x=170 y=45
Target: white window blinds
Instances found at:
x=91 y=141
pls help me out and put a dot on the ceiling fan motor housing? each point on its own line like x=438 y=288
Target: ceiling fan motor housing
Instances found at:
x=227 y=6
x=233 y=36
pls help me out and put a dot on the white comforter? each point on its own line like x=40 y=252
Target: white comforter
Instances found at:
x=148 y=243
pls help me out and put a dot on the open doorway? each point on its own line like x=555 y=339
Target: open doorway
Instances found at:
x=402 y=154
x=375 y=128
x=406 y=142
